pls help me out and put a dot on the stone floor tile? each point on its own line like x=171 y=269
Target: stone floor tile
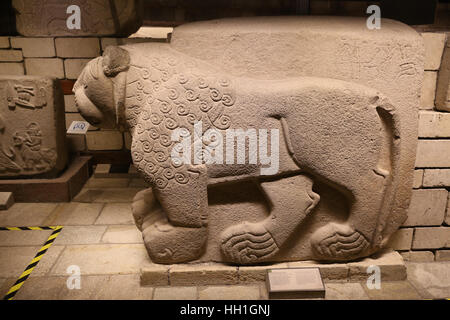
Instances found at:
x=122 y=234
x=395 y=290
x=431 y=279
x=5 y=285
x=229 y=293
x=100 y=259
x=175 y=293
x=116 y=213
x=26 y=214
x=138 y=183
x=106 y=195
x=345 y=291
x=23 y=238
x=123 y=287
x=108 y=183
x=14 y=260
x=80 y=235
x=74 y=213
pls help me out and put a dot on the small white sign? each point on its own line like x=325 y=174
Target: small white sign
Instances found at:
x=78 y=127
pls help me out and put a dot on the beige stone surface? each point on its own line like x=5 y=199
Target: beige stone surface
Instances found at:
x=4 y=42
x=428 y=93
x=111 y=195
x=11 y=56
x=447 y=215
x=432 y=280
x=80 y=235
x=434 y=124
x=152 y=32
x=176 y=293
x=35 y=47
x=250 y=274
x=67 y=214
x=433 y=154
x=402 y=239
x=391 y=265
x=73 y=67
x=26 y=214
x=77 y=47
x=421 y=256
x=106 y=42
x=345 y=291
x=229 y=293
x=13 y=68
x=69 y=102
x=116 y=213
x=122 y=234
x=23 y=238
x=98 y=259
x=443 y=85
x=202 y=274
x=434 y=48
x=108 y=183
x=51 y=67
x=398 y=290
x=104 y=140
x=427 y=207
x=328 y=271
x=431 y=238
x=418 y=177
x=155 y=275
x=49 y=18
x=442 y=255
x=436 y=178
x=6 y=200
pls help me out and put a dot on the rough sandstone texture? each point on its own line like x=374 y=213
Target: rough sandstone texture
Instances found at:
x=302 y=76
x=32 y=127
x=36 y=18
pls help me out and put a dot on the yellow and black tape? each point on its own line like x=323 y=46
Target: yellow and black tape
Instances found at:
x=24 y=276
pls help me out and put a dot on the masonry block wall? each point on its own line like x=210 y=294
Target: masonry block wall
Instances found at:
x=425 y=236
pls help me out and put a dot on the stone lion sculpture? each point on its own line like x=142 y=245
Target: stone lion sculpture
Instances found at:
x=343 y=134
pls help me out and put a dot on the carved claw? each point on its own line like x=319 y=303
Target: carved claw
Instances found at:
x=248 y=243
x=338 y=242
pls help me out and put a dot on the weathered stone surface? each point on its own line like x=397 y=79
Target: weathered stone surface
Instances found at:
x=402 y=239
x=68 y=214
x=50 y=67
x=26 y=214
x=229 y=293
x=398 y=290
x=35 y=47
x=202 y=274
x=428 y=93
x=442 y=255
x=73 y=67
x=32 y=127
x=431 y=238
x=6 y=200
x=297 y=91
x=104 y=140
x=433 y=154
x=434 y=124
x=155 y=275
x=176 y=293
x=80 y=235
x=328 y=271
x=69 y=102
x=431 y=279
x=418 y=177
x=427 y=208
x=122 y=234
x=12 y=68
x=4 y=42
x=434 y=48
x=252 y=274
x=77 y=47
x=391 y=265
x=447 y=216
x=115 y=213
x=49 y=18
x=443 y=84
x=11 y=56
x=436 y=178
x=345 y=291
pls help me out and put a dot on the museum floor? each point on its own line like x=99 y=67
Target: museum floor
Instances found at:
x=99 y=237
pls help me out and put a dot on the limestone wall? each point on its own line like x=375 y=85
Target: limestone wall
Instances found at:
x=425 y=236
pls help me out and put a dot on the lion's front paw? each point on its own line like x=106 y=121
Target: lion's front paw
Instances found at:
x=248 y=243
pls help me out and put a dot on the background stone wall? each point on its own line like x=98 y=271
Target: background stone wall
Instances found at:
x=425 y=236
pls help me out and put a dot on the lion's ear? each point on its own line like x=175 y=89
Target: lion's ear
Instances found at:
x=115 y=60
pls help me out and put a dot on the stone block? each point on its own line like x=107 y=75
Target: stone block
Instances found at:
x=51 y=67
x=229 y=293
x=122 y=234
x=250 y=274
x=155 y=275
x=103 y=17
x=402 y=239
x=418 y=177
x=431 y=238
x=32 y=120
x=431 y=279
x=72 y=235
x=76 y=142
x=6 y=200
x=421 y=256
x=345 y=291
x=428 y=92
x=427 y=208
x=35 y=47
x=433 y=154
x=434 y=124
x=77 y=47
x=447 y=215
x=443 y=83
x=116 y=213
x=176 y=293
x=436 y=178
x=202 y=274
x=15 y=69
x=11 y=56
x=442 y=255
x=106 y=42
x=69 y=103
x=73 y=67
x=104 y=140
x=4 y=42
x=111 y=195
x=434 y=48
x=397 y=290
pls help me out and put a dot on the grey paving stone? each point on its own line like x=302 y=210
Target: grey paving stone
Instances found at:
x=396 y=290
x=122 y=234
x=80 y=235
x=74 y=213
x=229 y=293
x=345 y=291
x=26 y=214
x=431 y=279
x=101 y=259
x=23 y=238
x=175 y=293
x=116 y=213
